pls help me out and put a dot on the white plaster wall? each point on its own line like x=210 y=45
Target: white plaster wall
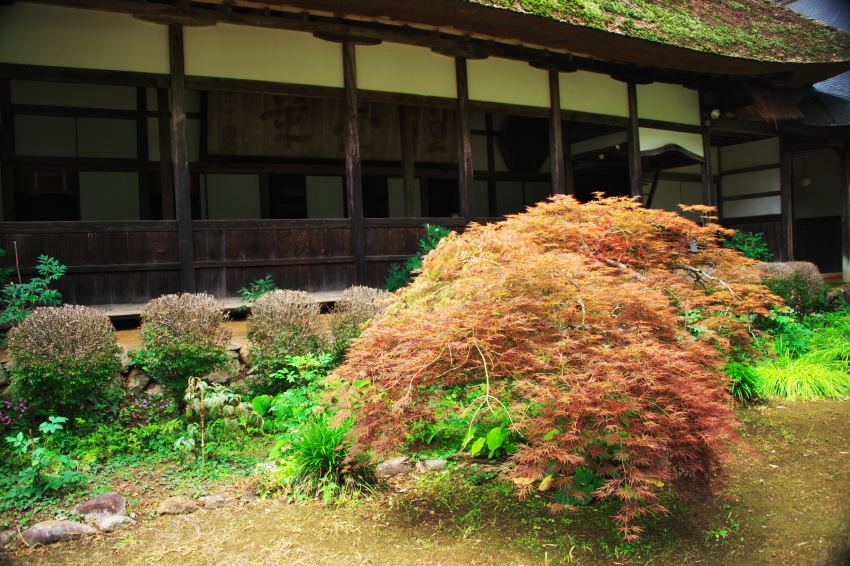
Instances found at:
x=392 y=67
x=750 y=154
x=752 y=207
x=651 y=138
x=593 y=92
x=508 y=82
x=37 y=34
x=671 y=103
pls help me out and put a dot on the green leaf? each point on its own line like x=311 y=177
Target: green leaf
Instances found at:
x=551 y=434
x=495 y=438
x=261 y=404
x=477 y=446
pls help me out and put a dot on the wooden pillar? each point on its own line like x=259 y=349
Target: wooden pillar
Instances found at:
x=556 y=135
x=180 y=158
x=408 y=150
x=353 y=178
x=142 y=153
x=464 y=138
x=7 y=144
x=786 y=186
x=709 y=198
x=633 y=136
x=844 y=179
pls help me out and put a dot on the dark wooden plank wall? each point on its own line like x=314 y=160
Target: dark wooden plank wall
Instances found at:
x=817 y=240
x=105 y=266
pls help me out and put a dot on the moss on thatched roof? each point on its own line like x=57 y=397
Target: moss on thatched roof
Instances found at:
x=752 y=29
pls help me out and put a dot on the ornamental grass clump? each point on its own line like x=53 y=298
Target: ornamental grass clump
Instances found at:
x=63 y=358
x=284 y=323
x=183 y=336
x=598 y=330
x=356 y=307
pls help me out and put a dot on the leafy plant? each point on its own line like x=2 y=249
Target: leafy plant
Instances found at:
x=750 y=244
x=810 y=376
x=221 y=413
x=318 y=464
x=569 y=314
x=63 y=358
x=401 y=274
x=256 y=289
x=21 y=298
x=183 y=336
x=745 y=384
x=496 y=442
x=45 y=471
x=282 y=324
x=580 y=492
x=294 y=371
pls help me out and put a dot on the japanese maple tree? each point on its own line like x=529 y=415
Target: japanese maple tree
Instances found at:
x=601 y=327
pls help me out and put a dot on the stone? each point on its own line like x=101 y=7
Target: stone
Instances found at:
x=109 y=503
x=110 y=523
x=395 y=466
x=178 y=505
x=124 y=358
x=245 y=354
x=52 y=531
x=136 y=381
x=216 y=501
x=231 y=370
x=4 y=377
x=234 y=347
x=249 y=495
x=430 y=465
x=6 y=538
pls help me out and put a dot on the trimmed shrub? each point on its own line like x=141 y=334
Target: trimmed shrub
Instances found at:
x=352 y=312
x=63 y=358
x=183 y=336
x=284 y=323
x=799 y=283
x=597 y=330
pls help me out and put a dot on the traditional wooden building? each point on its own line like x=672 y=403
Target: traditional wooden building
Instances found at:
x=166 y=145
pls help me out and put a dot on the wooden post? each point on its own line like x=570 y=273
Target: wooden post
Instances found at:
x=786 y=189
x=353 y=180
x=180 y=159
x=844 y=179
x=405 y=119
x=655 y=179
x=708 y=196
x=633 y=136
x=7 y=143
x=464 y=138
x=556 y=135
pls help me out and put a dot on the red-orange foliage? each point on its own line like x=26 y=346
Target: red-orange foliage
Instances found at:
x=570 y=314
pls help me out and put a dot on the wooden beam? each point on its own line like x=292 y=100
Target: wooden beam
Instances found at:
x=166 y=166
x=633 y=136
x=408 y=151
x=786 y=188
x=180 y=159
x=844 y=179
x=86 y=76
x=353 y=177
x=556 y=135
x=7 y=153
x=707 y=173
x=464 y=138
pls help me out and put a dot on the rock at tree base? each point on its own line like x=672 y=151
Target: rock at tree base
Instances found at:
x=178 y=505
x=124 y=356
x=52 y=531
x=105 y=504
x=136 y=381
x=110 y=523
x=396 y=466
x=430 y=465
x=216 y=501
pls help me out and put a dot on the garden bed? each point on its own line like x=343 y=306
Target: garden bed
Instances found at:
x=789 y=504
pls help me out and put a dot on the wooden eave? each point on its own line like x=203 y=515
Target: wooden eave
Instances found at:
x=461 y=25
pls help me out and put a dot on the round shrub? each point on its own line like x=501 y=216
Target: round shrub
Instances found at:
x=352 y=312
x=183 y=336
x=282 y=324
x=63 y=358
x=800 y=283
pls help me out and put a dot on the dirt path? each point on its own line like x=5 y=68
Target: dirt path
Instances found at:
x=790 y=506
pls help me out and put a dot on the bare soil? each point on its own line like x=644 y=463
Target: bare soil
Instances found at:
x=788 y=504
